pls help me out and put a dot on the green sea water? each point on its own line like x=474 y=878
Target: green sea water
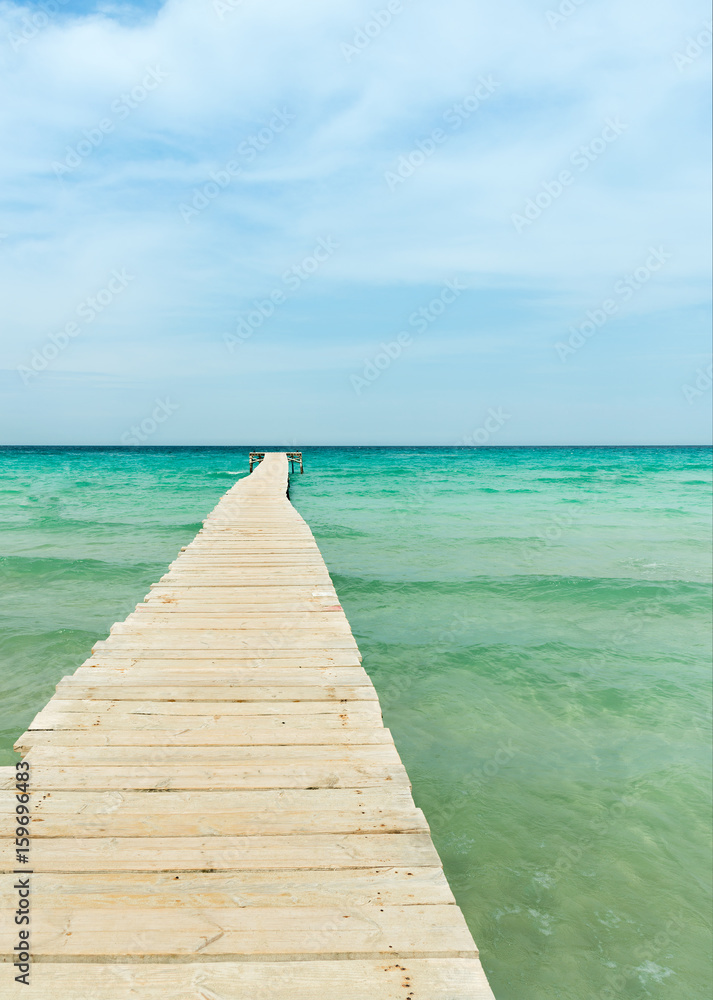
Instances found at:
x=537 y=624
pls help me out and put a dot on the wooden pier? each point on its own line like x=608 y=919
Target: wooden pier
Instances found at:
x=217 y=810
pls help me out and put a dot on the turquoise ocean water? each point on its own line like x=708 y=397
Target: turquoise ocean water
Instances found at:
x=537 y=624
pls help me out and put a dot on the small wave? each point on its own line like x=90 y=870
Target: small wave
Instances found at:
x=337 y=531
x=602 y=592
x=42 y=568
x=59 y=524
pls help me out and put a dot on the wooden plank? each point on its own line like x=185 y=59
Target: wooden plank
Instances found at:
x=258 y=800
x=86 y=854
x=209 y=667
x=198 y=675
x=184 y=639
x=172 y=692
x=222 y=604
x=304 y=565
x=224 y=824
x=223 y=575
x=224 y=579
x=234 y=933
x=208 y=676
x=331 y=621
x=394 y=979
x=177 y=622
x=266 y=552
x=330 y=774
x=173 y=658
x=263 y=596
x=237 y=728
x=384 y=753
x=308 y=887
x=359 y=715
x=213 y=709
x=248 y=735
x=181 y=813
x=264 y=599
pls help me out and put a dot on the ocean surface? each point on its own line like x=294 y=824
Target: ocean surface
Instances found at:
x=537 y=624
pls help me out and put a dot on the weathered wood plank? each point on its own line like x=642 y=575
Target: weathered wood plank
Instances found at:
x=248 y=735
x=357 y=715
x=224 y=825
x=222 y=604
x=210 y=676
x=309 y=887
x=214 y=709
x=186 y=639
x=69 y=812
x=230 y=801
x=86 y=854
x=303 y=563
x=233 y=755
x=249 y=576
x=330 y=621
x=326 y=657
x=169 y=692
x=330 y=774
x=234 y=933
x=402 y=979
x=263 y=597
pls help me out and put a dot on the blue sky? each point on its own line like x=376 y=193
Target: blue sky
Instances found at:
x=393 y=221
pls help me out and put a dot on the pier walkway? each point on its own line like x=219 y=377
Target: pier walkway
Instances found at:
x=217 y=810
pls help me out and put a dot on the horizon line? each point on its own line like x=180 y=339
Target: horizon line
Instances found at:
x=275 y=447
